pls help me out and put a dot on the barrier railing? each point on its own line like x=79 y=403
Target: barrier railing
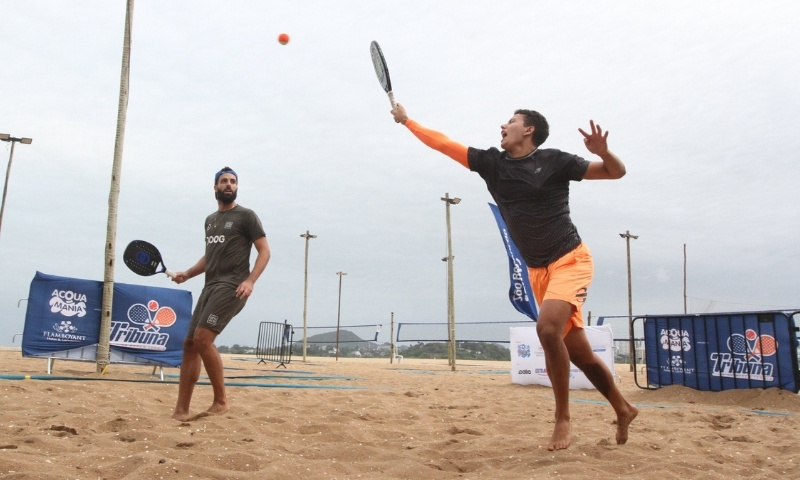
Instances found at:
x=275 y=343
x=721 y=351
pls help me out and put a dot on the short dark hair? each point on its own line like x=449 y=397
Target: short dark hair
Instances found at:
x=541 y=130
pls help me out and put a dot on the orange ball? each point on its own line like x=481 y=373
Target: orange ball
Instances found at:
x=283 y=38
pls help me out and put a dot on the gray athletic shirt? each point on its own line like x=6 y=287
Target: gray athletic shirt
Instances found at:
x=229 y=241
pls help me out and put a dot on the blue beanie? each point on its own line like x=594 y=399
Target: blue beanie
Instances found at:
x=223 y=171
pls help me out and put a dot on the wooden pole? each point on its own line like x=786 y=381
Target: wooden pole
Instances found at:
x=307 y=236
x=103 y=353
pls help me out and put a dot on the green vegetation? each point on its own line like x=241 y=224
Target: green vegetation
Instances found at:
x=464 y=351
x=237 y=349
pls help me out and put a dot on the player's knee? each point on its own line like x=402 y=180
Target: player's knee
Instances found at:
x=548 y=334
x=204 y=338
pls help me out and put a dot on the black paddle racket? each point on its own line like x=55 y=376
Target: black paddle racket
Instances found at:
x=143 y=258
x=381 y=70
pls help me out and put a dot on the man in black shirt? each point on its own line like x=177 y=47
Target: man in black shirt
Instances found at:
x=531 y=188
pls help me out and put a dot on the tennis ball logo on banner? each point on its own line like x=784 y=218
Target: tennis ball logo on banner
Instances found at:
x=151 y=316
x=143 y=328
x=68 y=303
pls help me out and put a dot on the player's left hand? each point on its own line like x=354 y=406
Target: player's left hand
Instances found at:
x=244 y=289
x=596 y=141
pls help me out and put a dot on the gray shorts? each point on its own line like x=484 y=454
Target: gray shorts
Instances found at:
x=215 y=308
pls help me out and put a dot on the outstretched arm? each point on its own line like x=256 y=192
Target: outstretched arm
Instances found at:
x=611 y=168
x=432 y=138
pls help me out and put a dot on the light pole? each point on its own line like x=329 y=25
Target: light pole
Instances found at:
x=339 y=313
x=632 y=349
x=392 y=347
x=307 y=236
x=451 y=315
x=8 y=138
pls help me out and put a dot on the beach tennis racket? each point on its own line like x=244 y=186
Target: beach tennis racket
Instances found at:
x=139 y=314
x=737 y=344
x=165 y=317
x=144 y=259
x=760 y=345
x=381 y=70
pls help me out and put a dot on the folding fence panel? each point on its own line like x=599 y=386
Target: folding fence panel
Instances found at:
x=275 y=343
x=721 y=351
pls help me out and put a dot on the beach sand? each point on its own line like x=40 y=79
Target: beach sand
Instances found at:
x=369 y=419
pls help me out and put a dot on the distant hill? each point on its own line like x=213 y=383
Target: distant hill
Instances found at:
x=345 y=336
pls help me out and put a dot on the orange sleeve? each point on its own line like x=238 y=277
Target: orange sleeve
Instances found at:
x=439 y=141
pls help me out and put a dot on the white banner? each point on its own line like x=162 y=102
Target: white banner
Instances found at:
x=527 y=357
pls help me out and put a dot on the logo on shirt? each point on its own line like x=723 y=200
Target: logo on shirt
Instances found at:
x=581 y=295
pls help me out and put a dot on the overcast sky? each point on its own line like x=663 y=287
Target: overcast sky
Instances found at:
x=701 y=100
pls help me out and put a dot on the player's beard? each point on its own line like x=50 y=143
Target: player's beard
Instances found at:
x=225 y=197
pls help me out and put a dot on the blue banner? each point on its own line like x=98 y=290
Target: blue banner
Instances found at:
x=722 y=351
x=148 y=323
x=520 y=292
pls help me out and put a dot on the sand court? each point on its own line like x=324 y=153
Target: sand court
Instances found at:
x=367 y=418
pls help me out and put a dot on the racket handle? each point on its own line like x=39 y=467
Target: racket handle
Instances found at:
x=170 y=273
x=391 y=99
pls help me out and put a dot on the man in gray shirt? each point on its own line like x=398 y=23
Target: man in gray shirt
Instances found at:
x=231 y=232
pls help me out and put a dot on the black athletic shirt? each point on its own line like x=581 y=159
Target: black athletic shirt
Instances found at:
x=532 y=193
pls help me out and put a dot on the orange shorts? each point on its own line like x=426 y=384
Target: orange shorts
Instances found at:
x=566 y=279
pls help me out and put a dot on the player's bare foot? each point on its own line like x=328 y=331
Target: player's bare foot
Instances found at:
x=623 y=422
x=562 y=436
x=181 y=416
x=198 y=416
x=217 y=409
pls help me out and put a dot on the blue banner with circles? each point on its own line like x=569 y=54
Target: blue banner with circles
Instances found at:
x=722 y=351
x=148 y=324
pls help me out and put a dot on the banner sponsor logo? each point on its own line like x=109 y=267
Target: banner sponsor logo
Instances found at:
x=68 y=303
x=675 y=340
x=64 y=331
x=748 y=357
x=142 y=329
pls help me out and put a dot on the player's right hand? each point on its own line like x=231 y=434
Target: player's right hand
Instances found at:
x=399 y=114
x=180 y=277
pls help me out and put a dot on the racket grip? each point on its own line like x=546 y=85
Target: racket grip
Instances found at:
x=391 y=99
x=170 y=273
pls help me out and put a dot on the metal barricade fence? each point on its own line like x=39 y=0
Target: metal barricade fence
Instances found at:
x=275 y=343
x=721 y=351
